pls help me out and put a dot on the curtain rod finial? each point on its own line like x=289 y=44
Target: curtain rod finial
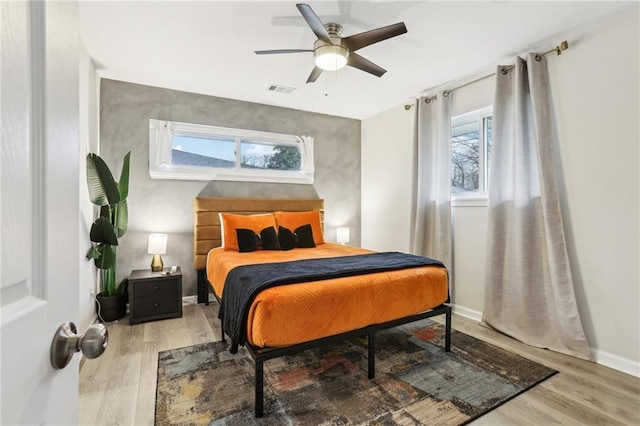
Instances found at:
x=563 y=46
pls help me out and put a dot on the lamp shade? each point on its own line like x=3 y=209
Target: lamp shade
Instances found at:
x=343 y=235
x=157 y=243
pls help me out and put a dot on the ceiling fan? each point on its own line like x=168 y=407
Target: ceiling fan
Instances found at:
x=331 y=51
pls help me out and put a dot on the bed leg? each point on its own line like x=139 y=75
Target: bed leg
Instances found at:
x=447 y=332
x=259 y=389
x=203 y=294
x=372 y=355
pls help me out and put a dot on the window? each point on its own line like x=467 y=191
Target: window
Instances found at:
x=470 y=152
x=199 y=152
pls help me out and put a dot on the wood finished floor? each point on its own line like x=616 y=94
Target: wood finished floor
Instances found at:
x=119 y=388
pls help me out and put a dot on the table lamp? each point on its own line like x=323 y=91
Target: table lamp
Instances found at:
x=342 y=235
x=157 y=246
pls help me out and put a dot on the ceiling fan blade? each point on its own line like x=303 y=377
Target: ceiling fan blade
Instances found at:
x=314 y=22
x=358 y=41
x=270 y=52
x=357 y=61
x=315 y=73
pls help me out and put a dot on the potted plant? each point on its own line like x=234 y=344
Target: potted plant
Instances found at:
x=111 y=224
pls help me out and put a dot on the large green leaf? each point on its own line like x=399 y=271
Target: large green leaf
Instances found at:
x=102 y=232
x=105 y=211
x=123 y=287
x=103 y=188
x=107 y=257
x=123 y=183
x=121 y=218
x=108 y=279
x=93 y=252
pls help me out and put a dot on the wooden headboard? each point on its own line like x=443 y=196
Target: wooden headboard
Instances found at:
x=206 y=232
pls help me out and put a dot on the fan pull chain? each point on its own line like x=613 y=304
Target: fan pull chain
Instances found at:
x=326 y=85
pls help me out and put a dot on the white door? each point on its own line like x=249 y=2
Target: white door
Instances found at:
x=39 y=208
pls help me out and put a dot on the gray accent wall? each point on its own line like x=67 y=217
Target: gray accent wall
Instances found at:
x=158 y=205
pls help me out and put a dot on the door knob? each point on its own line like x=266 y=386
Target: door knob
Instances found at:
x=66 y=342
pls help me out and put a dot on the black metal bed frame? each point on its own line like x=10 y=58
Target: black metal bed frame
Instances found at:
x=260 y=355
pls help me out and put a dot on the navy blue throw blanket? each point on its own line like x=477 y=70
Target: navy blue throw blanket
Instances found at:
x=243 y=283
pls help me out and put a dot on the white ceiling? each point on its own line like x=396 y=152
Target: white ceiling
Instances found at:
x=207 y=47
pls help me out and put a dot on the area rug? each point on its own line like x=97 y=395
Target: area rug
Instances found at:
x=416 y=382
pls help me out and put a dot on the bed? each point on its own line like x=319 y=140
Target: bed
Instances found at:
x=333 y=308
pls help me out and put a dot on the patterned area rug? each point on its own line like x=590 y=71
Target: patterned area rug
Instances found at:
x=416 y=382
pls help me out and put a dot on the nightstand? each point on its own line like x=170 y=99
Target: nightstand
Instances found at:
x=153 y=296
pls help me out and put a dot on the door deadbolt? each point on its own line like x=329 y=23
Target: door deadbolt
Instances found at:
x=67 y=342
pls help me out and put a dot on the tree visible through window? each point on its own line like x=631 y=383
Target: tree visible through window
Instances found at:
x=470 y=152
x=285 y=158
x=278 y=157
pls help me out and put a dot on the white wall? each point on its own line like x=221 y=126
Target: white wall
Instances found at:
x=387 y=170
x=88 y=117
x=595 y=94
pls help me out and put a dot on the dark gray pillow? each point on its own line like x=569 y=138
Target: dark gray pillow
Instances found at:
x=268 y=239
x=286 y=238
x=247 y=240
x=302 y=237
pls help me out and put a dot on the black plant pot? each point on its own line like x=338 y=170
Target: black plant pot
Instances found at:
x=111 y=308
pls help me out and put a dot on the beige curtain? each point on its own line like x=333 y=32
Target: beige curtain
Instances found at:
x=529 y=291
x=431 y=227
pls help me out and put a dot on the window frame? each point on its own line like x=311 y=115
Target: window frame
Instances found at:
x=480 y=197
x=161 y=133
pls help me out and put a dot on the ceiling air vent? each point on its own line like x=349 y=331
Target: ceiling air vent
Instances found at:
x=280 y=89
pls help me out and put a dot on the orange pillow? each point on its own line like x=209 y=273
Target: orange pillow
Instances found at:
x=230 y=222
x=293 y=220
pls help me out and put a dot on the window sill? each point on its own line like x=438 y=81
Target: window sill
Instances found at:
x=194 y=173
x=480 y=200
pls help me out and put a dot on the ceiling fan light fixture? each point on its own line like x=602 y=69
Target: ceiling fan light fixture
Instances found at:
x=331 y=57
x=332 y=52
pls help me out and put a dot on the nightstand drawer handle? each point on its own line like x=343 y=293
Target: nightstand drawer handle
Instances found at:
x=156 y=287
x=156 y=304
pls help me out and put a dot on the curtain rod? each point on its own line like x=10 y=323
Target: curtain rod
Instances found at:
x=558 y=50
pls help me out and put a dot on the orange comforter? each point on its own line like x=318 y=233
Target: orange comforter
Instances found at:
x=290 y=314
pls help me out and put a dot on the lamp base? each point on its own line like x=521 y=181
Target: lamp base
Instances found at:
x=156 y=263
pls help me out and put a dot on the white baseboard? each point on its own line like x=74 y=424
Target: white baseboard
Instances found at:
x=189 y=300
x=193 y=300
x=467 y=313
x=607 y=359
x=616 y=362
